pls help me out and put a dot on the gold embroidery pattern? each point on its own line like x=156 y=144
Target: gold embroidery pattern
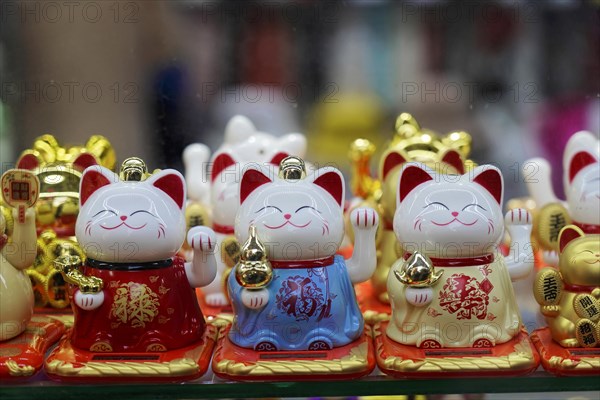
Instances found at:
x=135 y=303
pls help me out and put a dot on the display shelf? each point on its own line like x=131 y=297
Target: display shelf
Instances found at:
x=209 y=387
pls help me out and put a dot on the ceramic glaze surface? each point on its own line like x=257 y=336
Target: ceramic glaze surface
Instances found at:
x=310 y=303
x=16 y=294
x=131 y=232
x=457 y=221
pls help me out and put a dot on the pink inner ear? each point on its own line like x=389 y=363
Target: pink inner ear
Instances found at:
x=411 y=178
x=566 y=236
x=392 y=160
x=83 y=161
x=579 y=162
x=91 y=181
x=492 y=182
x=172 y=185
x=454 y=159
x=332 y=183
x=277 y=158
x=221 y=162
x=251 y=180
x=28 y=161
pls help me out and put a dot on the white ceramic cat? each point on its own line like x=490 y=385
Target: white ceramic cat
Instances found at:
x=300 y=222
x=581 y=180
x=16 y=295
x=456 y=220
x=131 y=232
x=244 y=145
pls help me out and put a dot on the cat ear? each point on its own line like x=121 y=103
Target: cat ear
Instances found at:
x=332 y=181
x=390 y=160
x=94 y=178
x=238 y=129
x=251 y=180
x=28 y=161
x=568 y=234
x=411 y=176
x=490 y=178
x=579 y=161
x=83 y=161
x=455 y=160
x=220 y=162
x=277 y=158
x=172 y=183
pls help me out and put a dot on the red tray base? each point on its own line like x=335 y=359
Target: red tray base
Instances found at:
x=23 y=356
x=558 y=360
x=67 y=363
x=513 y=358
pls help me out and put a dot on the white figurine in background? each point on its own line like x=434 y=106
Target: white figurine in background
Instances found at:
x=244 y=145
x=581 y=180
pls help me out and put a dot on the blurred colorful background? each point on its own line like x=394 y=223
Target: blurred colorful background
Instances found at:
x=154 y=76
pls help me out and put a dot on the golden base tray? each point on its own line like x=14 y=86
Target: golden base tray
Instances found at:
x=516 y=357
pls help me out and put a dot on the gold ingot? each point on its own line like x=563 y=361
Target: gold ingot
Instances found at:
x=418 y=271
x=292 y=168
x=69 y=266
x=254 y=270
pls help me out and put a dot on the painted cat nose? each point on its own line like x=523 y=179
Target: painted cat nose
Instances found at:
x=123 y=217
x=455 y=213
x=287 y=216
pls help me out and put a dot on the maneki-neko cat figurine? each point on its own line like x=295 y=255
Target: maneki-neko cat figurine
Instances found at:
x=570 y=302
x=581 y=174
x=23 y=339
x=244 y=145
x=295 y=311
x=134 y=303
x=58 y=170
x=411 y=142
x=454 y=311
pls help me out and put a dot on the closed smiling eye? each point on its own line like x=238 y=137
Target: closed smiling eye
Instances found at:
x=103 y=211
x=142 y=211
x=473 y=205
x=265 y=207
x=437 y=203
x=304 y=207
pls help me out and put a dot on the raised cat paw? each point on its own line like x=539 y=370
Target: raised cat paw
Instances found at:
x=364 y=218
x=202 y=238
x=216 y=300
x=517 y=216
x=89 y=301
x=550 y=257
x=569 y=343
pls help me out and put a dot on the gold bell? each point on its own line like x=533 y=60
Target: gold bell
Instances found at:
x=254 y=270
x=133 y=169
x=292 y=168
x=418 y=271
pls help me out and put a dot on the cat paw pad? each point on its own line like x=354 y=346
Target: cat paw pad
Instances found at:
x=518 y=216
x=202 y=238
x=364 y=218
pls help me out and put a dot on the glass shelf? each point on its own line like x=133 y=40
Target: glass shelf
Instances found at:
x=209 y=387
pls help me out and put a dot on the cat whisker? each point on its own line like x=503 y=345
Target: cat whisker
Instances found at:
x=416 y=222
